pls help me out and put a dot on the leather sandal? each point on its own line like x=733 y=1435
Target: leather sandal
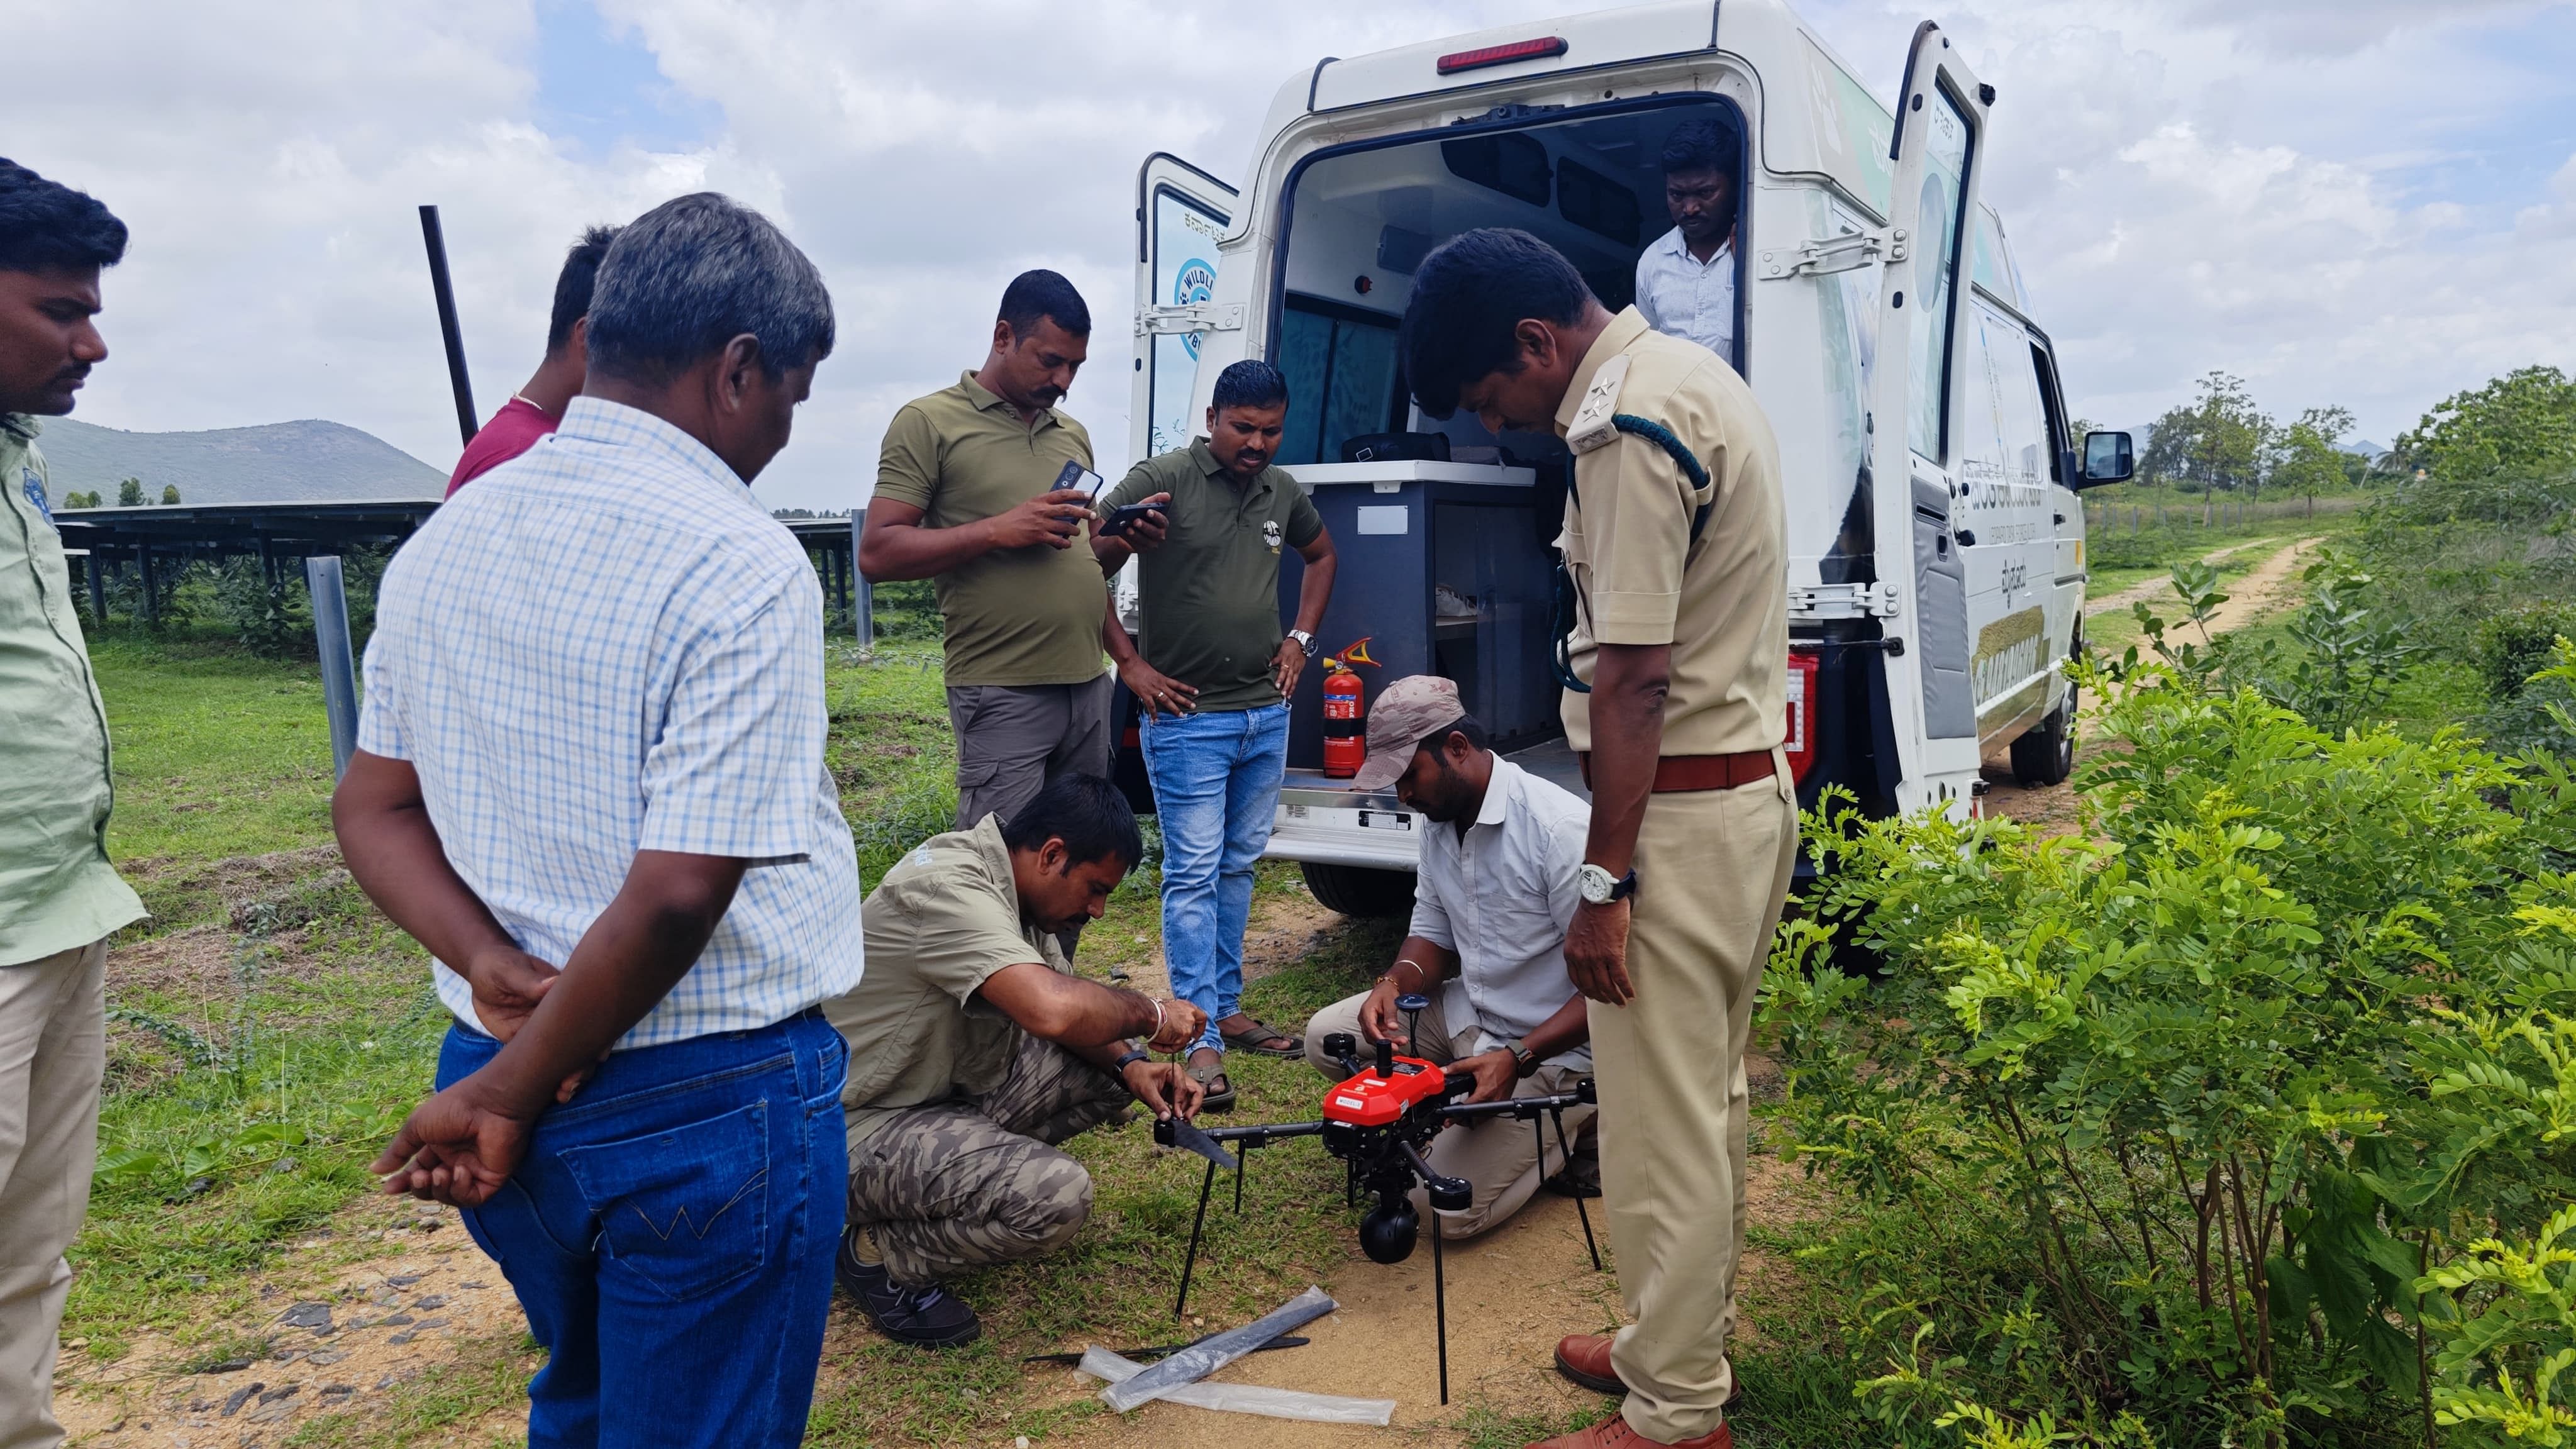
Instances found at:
x=1220 y=1092
x=1250 y=1039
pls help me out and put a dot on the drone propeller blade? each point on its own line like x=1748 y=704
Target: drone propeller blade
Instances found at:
x=1188 y=1134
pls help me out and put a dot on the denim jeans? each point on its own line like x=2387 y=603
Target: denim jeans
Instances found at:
x=670 y=1234
x=1216 y=787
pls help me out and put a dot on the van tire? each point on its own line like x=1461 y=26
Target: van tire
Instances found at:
x=2045 y=754
x=1355 y=890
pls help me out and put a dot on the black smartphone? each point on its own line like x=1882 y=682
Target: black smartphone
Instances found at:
x=1120 y=521
x=1074 y=475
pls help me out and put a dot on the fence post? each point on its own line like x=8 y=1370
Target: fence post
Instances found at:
x=339 y=669
x=863 y=614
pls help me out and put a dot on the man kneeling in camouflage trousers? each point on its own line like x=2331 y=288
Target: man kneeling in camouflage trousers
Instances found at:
x=974 y=1049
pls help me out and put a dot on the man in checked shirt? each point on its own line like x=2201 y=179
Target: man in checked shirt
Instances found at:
x=590 y=780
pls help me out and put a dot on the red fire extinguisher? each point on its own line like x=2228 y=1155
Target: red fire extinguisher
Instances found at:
x=1345 y=711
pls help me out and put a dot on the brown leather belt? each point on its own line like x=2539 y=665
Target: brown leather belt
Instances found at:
x=1678 y=773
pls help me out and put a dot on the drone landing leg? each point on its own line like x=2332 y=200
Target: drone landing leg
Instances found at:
x=1241 y=1154
x=1567 y=1149
x=1440 y=1304
x=1180 y=1305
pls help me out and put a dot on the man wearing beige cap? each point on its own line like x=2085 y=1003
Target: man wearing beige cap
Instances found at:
x=1492 y=897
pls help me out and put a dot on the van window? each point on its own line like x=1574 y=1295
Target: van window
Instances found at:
x=1342 y=383
x=2053 y=404
x=1939 y=223
x=2003 y=447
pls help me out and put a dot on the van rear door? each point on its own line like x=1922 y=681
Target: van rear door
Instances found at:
x=1939 y=152
x=1181 y=211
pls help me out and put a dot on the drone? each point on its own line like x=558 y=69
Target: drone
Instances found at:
x=1378 y=1121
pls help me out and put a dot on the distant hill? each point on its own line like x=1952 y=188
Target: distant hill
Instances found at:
x=301 y=462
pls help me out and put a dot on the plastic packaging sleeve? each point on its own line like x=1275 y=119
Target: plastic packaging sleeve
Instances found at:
x=1100 y=1363
x=1216 y=1351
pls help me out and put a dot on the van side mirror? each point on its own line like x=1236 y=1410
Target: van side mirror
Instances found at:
x=2107 y=459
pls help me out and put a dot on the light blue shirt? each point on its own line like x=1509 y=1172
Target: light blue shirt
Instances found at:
x=1682 y=296
x=605 y=646
x=1502 y=897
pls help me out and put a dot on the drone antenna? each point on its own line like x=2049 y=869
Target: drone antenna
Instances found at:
x=1413 y=1004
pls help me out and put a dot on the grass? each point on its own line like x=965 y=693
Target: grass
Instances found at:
x=218 y=753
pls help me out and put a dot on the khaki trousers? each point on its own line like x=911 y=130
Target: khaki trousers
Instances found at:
x=1712 y=870
x=53 y=1053
x=1498 y=1157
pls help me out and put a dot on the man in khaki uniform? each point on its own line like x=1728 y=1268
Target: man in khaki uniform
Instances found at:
x=1675 y=537
x=966 y=497
x=974 y=1050
x=59 y=898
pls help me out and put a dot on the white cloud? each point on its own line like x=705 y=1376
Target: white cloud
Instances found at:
x=2338 y=199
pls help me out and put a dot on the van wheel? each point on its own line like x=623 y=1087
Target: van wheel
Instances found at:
x=1355 y=890
x=2046 y=754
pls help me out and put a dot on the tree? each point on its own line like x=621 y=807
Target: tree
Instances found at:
x=2522 y=424
x=2307 y=454
x=169 y=493
x=129 y=494
x=2216 y=441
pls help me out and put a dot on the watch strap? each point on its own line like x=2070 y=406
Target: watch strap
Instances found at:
x=1133 y=1055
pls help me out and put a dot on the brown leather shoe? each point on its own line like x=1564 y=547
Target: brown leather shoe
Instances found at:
x=1614 y=1433
x=1585 y=1358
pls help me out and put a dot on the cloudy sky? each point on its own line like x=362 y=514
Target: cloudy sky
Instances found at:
x=2365 y=202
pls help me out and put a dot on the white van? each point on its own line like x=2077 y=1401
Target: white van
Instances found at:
x=1936 y=569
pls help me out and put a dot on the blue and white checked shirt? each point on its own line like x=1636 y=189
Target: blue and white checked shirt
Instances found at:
x=1682 y=296
x=606 y=646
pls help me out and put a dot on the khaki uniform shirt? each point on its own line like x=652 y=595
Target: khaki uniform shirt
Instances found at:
x=1723 y=603
x=1020 y=616
x=941 y=922
x=1210 y=594
x=57 y=890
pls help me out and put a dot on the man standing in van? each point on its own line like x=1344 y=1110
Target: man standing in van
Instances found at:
x=1214 y=682
x=966 y=497
x=1686 y=279
x=1675 y=538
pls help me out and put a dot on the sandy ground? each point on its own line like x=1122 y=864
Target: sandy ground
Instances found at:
x=2150 y=590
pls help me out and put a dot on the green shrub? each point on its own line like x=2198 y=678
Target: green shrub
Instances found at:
x=2152 y=1130
x=2515 y=645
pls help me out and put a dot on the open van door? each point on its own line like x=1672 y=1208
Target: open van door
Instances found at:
x=1181 y=211
x=1938 y=149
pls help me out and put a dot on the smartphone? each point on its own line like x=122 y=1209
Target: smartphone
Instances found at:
x=1120 y=521
x=1074 y=475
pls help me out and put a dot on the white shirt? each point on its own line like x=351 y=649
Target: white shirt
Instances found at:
x=605 y=646
x=1502 y=898
x=1686 y=297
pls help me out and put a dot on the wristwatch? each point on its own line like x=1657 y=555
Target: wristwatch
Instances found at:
x=1306 y=642
x=1524 y=1061
x=1134 y=1055
x=1600 y=887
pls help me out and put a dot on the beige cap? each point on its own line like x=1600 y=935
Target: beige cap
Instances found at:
x=1405 y=713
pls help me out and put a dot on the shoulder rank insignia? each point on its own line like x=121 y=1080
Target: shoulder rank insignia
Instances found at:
x=1592 y=427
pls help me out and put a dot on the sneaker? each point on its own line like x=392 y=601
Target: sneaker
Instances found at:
x=922 y=1317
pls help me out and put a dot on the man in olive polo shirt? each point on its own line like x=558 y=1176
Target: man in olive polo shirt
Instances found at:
x=1214 y=679
x=1675 y=537
x=966 y=497
x=59 y=898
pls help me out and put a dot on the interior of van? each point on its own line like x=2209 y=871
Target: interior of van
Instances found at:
x=1360 y=221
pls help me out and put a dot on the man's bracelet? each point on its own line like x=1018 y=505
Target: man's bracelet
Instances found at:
x=1156 y=1034
x=1421 y=973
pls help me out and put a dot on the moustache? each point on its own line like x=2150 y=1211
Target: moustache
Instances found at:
x=74 y=375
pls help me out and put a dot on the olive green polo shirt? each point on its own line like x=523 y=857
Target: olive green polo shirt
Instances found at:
x=942 y=921
x=57 y=890
x=1017 y=616
x=1210 y=594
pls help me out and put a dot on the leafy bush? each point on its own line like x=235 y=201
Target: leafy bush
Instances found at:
x=2516 y=644
x=2155 y=1130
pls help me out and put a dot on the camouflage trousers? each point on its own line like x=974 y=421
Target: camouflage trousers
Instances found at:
x=963 y=1184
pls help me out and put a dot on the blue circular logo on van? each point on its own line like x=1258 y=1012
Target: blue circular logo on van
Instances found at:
x=1195 y=284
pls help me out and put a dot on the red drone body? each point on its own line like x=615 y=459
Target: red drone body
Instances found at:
x=1371 y=1100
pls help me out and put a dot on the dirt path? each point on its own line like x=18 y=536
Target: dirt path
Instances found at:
x=2148 y=590
x=2051 y=808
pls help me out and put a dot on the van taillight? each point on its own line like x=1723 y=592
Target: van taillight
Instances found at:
x=1458 y=60
x=1801 y=739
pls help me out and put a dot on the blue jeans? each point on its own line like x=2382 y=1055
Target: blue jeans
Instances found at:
x=1216 y=788
x=670 y=1234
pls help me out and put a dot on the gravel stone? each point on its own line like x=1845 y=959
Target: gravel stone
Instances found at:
x=434 y=1300
x=307 y=1314
x=239 y=1397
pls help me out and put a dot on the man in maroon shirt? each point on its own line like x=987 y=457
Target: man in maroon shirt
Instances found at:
x=531 y=412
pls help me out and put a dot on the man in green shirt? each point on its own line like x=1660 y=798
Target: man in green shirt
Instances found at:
x=1214 y=679
x=974 y=1050
x=59 y=898
x=966 y=497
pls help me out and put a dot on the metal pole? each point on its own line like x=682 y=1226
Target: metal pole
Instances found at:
x=94 y=570
x=435 y=239
x=864 y=616
x=339 y=668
